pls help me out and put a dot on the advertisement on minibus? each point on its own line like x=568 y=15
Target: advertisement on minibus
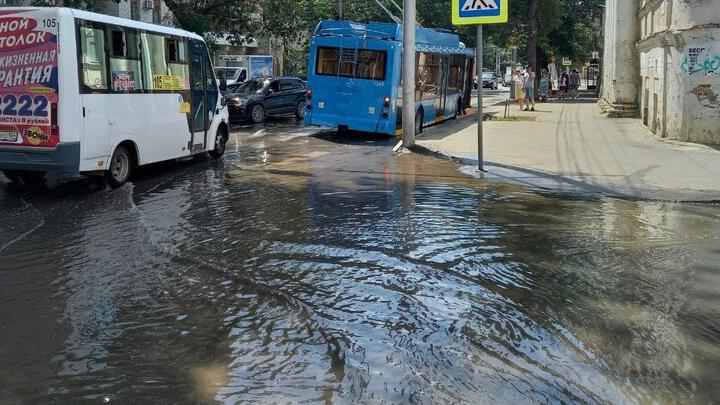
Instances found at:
x=28 y=78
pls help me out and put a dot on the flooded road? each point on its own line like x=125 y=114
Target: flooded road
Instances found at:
x=324 y=269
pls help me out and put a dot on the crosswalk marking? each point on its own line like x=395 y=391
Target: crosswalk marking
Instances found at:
x=473 y=5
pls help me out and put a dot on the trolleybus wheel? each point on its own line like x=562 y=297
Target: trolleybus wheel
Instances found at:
x=257 y=114
x=120 y=167
x=418 y=122
x=220 y=142
x=300 y=110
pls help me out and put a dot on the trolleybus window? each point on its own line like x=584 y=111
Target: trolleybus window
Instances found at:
x=371 y=64
x=428 y=71
x=347 y=62
x=327 y=61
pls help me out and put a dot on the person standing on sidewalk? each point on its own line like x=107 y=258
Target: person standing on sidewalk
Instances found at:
x=574 y=83
x=529 y=87
x=519 y=91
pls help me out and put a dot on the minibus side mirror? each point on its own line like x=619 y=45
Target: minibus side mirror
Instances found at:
x=223 y=83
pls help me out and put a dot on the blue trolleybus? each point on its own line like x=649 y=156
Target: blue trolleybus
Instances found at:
x=354 y=77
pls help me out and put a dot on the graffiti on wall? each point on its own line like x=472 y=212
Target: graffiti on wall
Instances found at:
x=701 y=60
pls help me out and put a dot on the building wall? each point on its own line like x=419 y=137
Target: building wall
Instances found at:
x=679 y=47
x=620 y=60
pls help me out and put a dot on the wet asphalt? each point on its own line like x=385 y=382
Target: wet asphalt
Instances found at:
x=312 y=267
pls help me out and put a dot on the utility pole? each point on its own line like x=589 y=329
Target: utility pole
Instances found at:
x=340 y=17
x=408 y=73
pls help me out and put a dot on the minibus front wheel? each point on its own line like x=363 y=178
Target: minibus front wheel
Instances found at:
x=120 y=167
x=221 y=138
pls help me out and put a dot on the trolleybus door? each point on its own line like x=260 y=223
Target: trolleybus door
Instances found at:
x=442 y=88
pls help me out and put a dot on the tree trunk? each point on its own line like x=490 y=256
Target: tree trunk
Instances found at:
x=532 y=33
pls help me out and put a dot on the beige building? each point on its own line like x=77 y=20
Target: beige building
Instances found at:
x=662 y=62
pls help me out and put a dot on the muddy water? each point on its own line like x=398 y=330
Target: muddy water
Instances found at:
x=320 y=270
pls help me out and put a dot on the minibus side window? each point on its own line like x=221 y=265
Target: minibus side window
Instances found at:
x=124 y=61
x=93 y=59
x=164 y=69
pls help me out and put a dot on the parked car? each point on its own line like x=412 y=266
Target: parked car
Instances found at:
x=490 y=80
x=257 y=99
x=507 y=80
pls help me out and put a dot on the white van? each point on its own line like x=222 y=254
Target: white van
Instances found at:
x=94 y=94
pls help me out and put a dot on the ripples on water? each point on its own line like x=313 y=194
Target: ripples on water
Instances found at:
x=348 y=276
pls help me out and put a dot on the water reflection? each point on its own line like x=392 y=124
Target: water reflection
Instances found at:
x=313 y=270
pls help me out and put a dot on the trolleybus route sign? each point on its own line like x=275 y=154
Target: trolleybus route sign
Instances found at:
x=479 y=11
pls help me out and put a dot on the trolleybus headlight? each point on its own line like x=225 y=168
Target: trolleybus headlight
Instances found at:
x=308 y=94
x=386 y=102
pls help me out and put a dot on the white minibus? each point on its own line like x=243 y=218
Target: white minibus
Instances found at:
x=87 y=93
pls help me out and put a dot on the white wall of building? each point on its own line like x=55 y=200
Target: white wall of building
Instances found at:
x=620 y=67
x=680 y=67
x=677 y=45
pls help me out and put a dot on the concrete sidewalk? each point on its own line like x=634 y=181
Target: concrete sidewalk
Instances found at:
x=571 y=146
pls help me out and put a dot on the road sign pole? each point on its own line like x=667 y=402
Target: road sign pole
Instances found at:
x=408 y=74
x=479 y=59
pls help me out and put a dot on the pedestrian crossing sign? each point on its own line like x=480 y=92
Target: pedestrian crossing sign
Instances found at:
x=479 y=12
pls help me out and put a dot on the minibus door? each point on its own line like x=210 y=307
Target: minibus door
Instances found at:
x=198 y=101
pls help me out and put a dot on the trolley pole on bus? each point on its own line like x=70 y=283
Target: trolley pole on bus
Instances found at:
x=408 y=74
x=479 y=59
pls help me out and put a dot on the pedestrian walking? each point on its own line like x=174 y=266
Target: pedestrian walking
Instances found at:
x=529 y=87
x=574 y=83
x=563 y=85
x=519 y=91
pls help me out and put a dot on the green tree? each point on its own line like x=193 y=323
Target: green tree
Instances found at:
x=206 y=17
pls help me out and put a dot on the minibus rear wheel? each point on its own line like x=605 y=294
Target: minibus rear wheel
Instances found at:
x=120 y=167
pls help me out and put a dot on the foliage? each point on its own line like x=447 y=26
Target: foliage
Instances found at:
x=235 y=18
x=283 y=19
